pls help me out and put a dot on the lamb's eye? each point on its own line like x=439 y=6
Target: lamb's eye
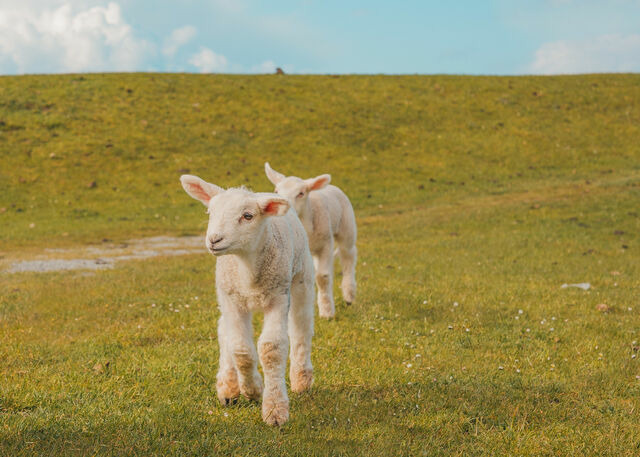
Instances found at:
x=247 y=216
x=300 y=195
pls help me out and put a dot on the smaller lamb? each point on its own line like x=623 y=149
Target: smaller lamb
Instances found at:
x=263 y=264
x=327 y=215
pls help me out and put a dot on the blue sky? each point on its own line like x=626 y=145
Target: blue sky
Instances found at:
x=314 y=36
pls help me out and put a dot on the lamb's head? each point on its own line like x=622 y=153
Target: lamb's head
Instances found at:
x=295 y=189
x=236 y=216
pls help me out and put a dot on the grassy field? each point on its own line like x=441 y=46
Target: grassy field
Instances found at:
x=476 y=198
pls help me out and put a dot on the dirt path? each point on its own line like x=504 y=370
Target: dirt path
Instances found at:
x=104 y=256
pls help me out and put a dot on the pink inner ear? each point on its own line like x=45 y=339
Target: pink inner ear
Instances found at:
x=318 y=183
x=272 y=207
x=199 y=192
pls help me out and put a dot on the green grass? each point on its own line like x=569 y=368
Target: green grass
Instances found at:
x=482 y=191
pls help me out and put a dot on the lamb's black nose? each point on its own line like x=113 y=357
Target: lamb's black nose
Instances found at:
x=213 y=243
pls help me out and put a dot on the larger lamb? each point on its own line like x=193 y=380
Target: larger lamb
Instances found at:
x=263 y=264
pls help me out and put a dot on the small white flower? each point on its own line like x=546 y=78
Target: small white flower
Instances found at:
x=633 y=356
x=153 y=305
x=500 y=367
x=409 y=365
x=466 y=330
x=455 y=303
x=226 y=414
x=520 y=311
x=424 y=302
x=528 y=330
x=517 y=370
x=450 y=327
x=517 y=317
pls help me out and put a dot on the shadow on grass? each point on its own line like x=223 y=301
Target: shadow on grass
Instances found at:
x=397 y=419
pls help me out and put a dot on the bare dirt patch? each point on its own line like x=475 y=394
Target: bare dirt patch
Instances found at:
x=104 y=256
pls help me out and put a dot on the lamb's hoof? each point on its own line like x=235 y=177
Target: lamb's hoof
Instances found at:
x=252 y=392
x=301 y=380
x=348 y=295
x=275 y=413
x=228 y=392
x=348 y=303
x=327 y=312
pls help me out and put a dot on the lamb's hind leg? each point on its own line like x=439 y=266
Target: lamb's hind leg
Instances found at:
x=348 y=258
x=324 y=279
x=300 y=333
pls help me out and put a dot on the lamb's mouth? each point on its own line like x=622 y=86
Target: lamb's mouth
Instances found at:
x=216 y=251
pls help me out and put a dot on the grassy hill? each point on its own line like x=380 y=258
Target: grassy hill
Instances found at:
x=476 y=198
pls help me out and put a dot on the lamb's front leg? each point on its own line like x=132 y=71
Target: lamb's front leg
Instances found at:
x=240 y=342
x=227 y=378
x=273 y=346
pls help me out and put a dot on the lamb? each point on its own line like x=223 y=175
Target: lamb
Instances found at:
x=263 y=264
x=327 y=215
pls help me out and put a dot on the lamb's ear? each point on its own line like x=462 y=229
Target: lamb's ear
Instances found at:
x=318 y=182
x=273 y=205
x=273 y=175
x=199 y=188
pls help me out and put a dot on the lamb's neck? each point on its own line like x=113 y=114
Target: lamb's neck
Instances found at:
x=253 y=260
x=306 y=217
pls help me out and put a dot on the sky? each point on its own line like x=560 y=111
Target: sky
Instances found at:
x=493 y=37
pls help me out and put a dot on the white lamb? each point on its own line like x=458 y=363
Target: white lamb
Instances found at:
x=263 y=264
x=327 y=215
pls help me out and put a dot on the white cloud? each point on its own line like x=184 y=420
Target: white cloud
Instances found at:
x=179 y=37
x=605 y=53
x=207 y=61
x=61 y=40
